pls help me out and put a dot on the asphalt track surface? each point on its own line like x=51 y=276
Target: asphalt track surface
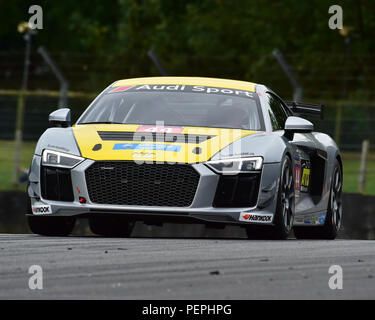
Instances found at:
x=184 y=268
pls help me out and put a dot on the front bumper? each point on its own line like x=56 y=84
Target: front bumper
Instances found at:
x=201 y=209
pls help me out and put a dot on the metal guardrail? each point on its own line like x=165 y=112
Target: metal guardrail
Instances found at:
x=47 y=93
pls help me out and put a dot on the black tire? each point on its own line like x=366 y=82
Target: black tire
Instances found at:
x=111 y=226
x=51 y=226
x=333 y=218
x=284 y=214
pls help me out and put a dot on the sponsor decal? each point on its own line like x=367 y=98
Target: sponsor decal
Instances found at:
x=184 y=88
x=147 y=146
x=121 y=89
x=315 y=219
x=254 y=217
x=41 y=209
x=322 y=218
x=143 y=155
x=297 y=174
x=158 y=129
x=312 y=219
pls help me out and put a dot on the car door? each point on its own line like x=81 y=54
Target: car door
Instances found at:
x=303 y=148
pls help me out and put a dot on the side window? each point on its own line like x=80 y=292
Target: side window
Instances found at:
x=276 y=112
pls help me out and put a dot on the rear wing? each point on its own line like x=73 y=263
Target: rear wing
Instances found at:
x=300 y=108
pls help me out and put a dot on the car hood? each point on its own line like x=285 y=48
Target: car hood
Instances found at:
x=177 y=145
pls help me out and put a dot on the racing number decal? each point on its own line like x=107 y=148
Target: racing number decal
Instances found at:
x=305 y=177
x=302 y=173
x=306 y=171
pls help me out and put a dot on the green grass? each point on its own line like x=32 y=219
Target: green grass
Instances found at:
x=350 y=159
x=6 y=162
x=351 y=163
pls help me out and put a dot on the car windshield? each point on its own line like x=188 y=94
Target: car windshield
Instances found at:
x=195 y=106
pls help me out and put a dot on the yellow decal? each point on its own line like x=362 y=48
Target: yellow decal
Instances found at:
x=127 y=148
x=305 y=177
x=189 y=81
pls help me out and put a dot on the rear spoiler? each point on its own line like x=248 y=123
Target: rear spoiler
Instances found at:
x=300 y=108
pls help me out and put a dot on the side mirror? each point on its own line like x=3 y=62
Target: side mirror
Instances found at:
x=297 y=125
x=60 y=118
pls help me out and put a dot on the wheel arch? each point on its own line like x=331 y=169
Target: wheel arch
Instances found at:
x=339 y=159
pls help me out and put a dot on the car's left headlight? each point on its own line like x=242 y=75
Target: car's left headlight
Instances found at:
x=237 y=165
x=59 y=159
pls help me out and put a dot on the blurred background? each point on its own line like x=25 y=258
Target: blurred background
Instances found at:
x=287 y=45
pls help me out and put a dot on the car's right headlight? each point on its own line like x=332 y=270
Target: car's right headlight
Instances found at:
x=236 y=165
x=59 y=159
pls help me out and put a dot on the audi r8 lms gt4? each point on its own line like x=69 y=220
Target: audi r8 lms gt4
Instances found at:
x=187 y=150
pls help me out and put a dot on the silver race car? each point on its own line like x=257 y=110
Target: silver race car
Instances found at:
x=187 y=150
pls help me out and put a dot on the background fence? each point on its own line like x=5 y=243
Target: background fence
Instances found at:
x=38 y=105
x=344 y=84
x=355 y=123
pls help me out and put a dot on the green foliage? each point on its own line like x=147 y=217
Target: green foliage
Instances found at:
x=205 y=27
x=232 y=39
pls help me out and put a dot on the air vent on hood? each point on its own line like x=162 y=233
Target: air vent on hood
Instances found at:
x=140 y=136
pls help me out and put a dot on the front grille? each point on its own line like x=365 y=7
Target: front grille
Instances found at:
x=237 y=190
x=128 y=183
x=152 y=136
x=56 y=184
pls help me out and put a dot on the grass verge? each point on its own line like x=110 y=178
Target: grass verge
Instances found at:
x=351 y=162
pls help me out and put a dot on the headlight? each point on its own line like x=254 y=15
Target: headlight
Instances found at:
x=60 y=159
x=235 y=166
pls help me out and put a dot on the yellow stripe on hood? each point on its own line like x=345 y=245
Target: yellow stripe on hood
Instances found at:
x=189 y=81
x=175 y=152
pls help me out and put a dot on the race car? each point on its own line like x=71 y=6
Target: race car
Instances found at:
x=187 y=150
